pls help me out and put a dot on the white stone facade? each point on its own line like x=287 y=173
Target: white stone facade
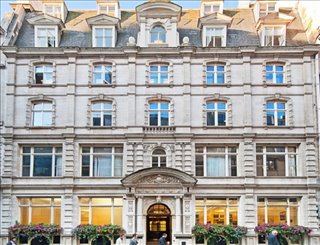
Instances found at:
x=245 y=92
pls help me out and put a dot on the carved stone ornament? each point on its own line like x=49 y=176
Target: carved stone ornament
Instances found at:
x=159 y=179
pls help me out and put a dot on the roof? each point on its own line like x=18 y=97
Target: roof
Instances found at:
x=241 y=32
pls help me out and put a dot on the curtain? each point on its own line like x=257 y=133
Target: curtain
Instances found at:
x=215 y=165
x=102 y=165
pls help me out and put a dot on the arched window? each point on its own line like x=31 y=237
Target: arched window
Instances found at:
x=158 y=34
x=276 y=113
x=159 y=158
x=159 y=113
x=216 y=113
x=101 y=113
x=42 y=113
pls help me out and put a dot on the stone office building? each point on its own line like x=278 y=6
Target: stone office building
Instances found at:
x=117 y=116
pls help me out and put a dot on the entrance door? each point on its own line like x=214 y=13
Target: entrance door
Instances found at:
x=158 y=222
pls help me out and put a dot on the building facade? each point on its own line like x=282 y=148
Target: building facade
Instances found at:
x=117 y=116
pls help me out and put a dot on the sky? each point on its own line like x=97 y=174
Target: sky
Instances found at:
x=124 y=4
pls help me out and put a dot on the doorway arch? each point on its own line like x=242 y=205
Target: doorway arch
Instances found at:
x=158 y=222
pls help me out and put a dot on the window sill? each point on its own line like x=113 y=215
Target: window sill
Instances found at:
x=158 y=45
x=159 y=129
x=265 y=84
x=228 y=85
x=41 y=85
x=101 y=85
x=40 y=127
x=159 y=85
x=217 y=127
x=101 y=127
x=278 y=127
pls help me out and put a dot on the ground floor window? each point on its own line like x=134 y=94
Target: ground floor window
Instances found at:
x=101 y=211
x=217 y=211
x=40 y=210
x=278 y=211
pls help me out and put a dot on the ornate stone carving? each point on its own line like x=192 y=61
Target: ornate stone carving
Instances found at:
x=130 y=206
x=187 y=206
x=159 y=179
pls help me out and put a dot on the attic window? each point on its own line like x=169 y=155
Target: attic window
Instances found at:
x=107 y=9
x=46 y=37
x=103 y=37
x=274 y=36
x=158 y=34
x=267 y=8
x=215 y=37
x=208 y=9
x=53 y=10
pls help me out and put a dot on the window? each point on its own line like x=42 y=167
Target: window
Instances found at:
x=216 y=113
x=276 y=161
x=53 y=10
x=274 y=36
x=159 y=74
x=43 y=74
x=208 y=9
x=216 y=161
x=103 y=37
x=159 y=113
x=41 y=161
x=222 y=211
x=101 y=211
x=102 y=74
x=215 y=74
x=275 y=73
x=46 y=37
x=107 y=9
x=158 y=34
x=102 y=161
x=278 y=211
x=267 y=8
x=276 y=113
x=159 y=158
x=44 y=210
x=102 y=114
x=215 y=37
x=42 y=114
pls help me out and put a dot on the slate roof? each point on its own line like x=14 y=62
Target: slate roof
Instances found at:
x=241 y=32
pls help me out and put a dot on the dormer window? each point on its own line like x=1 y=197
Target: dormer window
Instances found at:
x=267 y=8
x=103 y=37
x=158 y=34
x=208 y=9
x=46 y=36
x=274 y=36
x=53 y=10
x=107 y=9
x=215 y=37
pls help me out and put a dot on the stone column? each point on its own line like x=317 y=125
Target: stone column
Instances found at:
x=178 y=215
x=139 y=224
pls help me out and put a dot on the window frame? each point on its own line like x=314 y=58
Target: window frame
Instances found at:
x=215 y=27
x=159 y=73
x=103 y=112
x=267 y=8
x=90 y=206
x=55 y=13
x=56 y=35
x=42 y=111
x=159 y=110
x=107 y=11
x=104 y=69
x=275 y=111
x=32 y=154
x=215 y=73
x=286 y=154
x=273 y=27
x=44 y=67
x=94 y=37
x=30 y=205
x=288 y=206
x=158 y=33
x=216 y=112
x=91 y=163
x=158 y=156
x=227 y=155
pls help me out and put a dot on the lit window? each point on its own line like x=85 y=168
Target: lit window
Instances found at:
x=102 y=74
x=276 y=113
x=276 y=161
x=101 y=211
x=215 y=74
x=267 y=8
x=43 y=74
x=42 y=114
x=40 y=210
x=274 y=36
x=214 y=37
x=216 y=113
x=159 y=158
x=216 y=161
x=278 y=211
x=159 y=74
x=102 y=114
x=159 y=114
x=222 y=211
x=102 y=161
x=103 y=37
x=41 y=161
x=46 y=37
x=53 y=10
x=158 y=34
x=275 y=73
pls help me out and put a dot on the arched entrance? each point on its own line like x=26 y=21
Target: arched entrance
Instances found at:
x=158 y=222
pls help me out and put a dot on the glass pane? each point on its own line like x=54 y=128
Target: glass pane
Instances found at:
x=84 y=213
x=153 y=121
x=25 y=165
x=42 y=165
x=43 y=150
x=221 y=106
x=47 y=118
x=277 y=215
x=41 y=201
x=164 y=118
x=117 y=216
x=210 y=68
x=108 y=77
x=99 y=32
x=97 y=68
x=220 y=77
x=154 y=68
x=99 y=42
x=279 y=68
x=216 y=166
x=210 y=119
x=292 y=165
x=24 y=215
x=210 y=106
x=97 y=106
x=118 y=165
x=270 y=118
x=85 y=165
x=210 y=78
x=199 y=215
x=233 y=219
x=216 y=215
x=164 y=68
x=58 y=166
x=269 y=68
x=163 y=78
x=85 y=149
x=270 y=105
x=41 y=215
x=269 y=77
x=107 y=120
x=96 y=119
x=293 y=215
x=259 y=164
x=281 y=119
x=57 y=201
x=233 y=165
x=101 y=201
x=57 y=215
x=216 y=149
x=276 y=165
x=153 y=106
x=23 y=201
x=276 y=149
x=102 y=165
x=108 y=42
x=84 y=201
x=281 y=106
x=261 y=216
x=217 y=201
x=101 y=215
x=164 y=106
x=118 y=201
x=221 y=118
x=277 y=201
x=97 y=78
x=199 y=165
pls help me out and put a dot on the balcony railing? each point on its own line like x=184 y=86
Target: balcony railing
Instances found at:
x=159 y=129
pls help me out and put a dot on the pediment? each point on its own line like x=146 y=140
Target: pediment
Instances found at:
x=103 y=19
x=159 y=176
x=45 y=19
x=214 y=19
x=159 y=9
